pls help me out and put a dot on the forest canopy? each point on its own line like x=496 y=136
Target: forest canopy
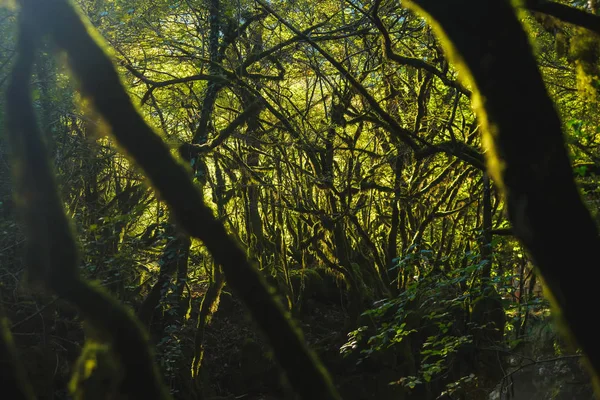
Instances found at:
x=350 y=199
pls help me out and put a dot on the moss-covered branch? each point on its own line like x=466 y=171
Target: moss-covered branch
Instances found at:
x=565 y=13
x=527 y=152
x=51 y=249
x=414 y=62
x=12 y=374
x=403 y=134
x=100 y=82
x=209 y=306
x=189 y=151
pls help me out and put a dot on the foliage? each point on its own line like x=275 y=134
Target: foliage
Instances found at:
x=431 y=312
x=335 y=143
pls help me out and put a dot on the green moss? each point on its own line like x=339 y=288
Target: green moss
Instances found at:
x=97 y=374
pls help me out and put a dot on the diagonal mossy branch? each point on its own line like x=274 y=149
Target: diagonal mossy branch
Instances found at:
x=460 y=150
x=565 y=13
x=51 y=249
x=388 y=51
x=191 y=150
x=527 y=152
x=12 y=374
x=403 y=134
x=100 y=82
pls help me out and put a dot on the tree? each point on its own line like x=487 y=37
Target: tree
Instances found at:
x=334 y=141
x=534 y=171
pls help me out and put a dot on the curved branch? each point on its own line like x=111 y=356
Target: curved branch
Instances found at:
x=51 y=250
x=403 y=134
x=189 y=151
x=411 y=61
x=527 y=155
x=565 y=13
x=460 y=150
x=100 y=82
x=191 y=78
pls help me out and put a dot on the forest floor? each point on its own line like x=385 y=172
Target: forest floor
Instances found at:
x=240 y=365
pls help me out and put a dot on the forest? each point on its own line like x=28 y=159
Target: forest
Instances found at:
x=270 y=199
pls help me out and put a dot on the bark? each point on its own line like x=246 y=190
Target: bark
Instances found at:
x=527 y=152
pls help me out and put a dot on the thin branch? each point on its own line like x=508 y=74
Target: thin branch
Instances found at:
x=565 y=13
x=403 y=134
x=411 y=61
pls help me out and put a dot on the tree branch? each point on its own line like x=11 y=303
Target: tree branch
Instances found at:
x=100 y=82
x=565 y=13
x=411 y=61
